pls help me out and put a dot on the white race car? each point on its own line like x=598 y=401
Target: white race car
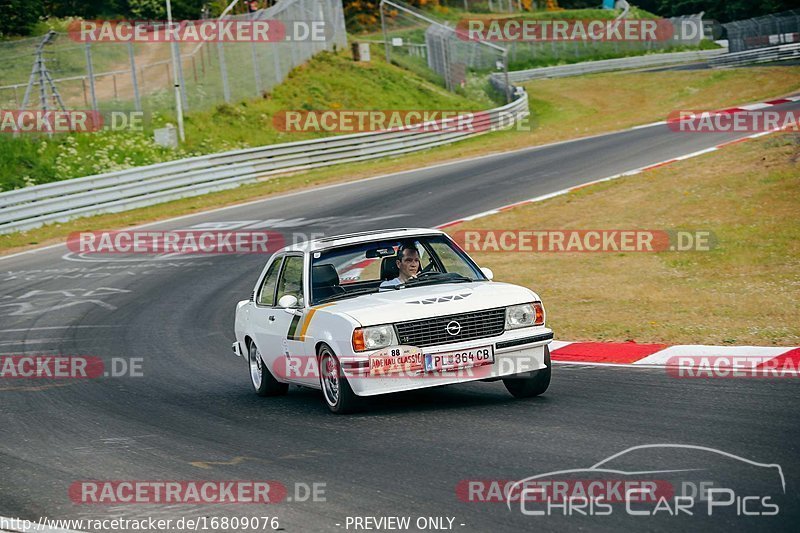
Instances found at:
x=345 y=315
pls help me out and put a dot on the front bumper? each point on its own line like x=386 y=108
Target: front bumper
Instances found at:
x=515 y=352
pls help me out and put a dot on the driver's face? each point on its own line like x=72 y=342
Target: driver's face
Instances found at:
x=408 y=265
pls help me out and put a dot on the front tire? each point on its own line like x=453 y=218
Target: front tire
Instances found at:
x=531 y=385
x=338 y=395
x=262 y=379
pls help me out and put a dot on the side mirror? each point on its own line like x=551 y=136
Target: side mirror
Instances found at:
x=488 y=273
x=287 y=301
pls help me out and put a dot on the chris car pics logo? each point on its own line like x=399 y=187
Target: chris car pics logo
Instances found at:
x=674 y=480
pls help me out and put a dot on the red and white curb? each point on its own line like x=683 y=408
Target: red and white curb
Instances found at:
x=663 y=355
x=639 y=170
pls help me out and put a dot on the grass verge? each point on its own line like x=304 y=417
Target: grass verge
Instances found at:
x=328 y=81
x=743 y=292
x=562 y=109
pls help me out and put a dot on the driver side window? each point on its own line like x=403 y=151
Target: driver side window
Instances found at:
x=426 y=263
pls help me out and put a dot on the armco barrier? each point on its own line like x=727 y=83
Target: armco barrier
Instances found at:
x=759 y=55
x=35 y=206
x=607 y=65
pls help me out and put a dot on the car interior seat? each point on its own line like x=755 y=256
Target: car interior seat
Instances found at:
x=325 y=281
x=389 y=269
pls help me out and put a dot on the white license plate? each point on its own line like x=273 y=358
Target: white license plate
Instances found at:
x=483 y=355
x=396 y=359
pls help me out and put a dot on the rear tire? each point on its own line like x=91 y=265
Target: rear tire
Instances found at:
x=533 y=384
x=336 y=391
x=261 y=378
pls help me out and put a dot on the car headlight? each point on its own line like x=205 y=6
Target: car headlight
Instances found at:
x=374 y=337
x=522 y=316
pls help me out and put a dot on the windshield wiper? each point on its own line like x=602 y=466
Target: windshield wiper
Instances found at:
x=345 y=295
x=434 y=277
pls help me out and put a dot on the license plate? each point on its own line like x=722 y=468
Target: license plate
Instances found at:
x=483 y=355
x=396 y=359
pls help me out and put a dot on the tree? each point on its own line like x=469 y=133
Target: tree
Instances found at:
x=364 y=15
x=87 y=9
x=146 y=9
x=720 y=10
x=18 y=17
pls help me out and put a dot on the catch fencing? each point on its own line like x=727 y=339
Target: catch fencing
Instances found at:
x=761 y=32
x=609 y=65
x=126 y=76
x=449 y=57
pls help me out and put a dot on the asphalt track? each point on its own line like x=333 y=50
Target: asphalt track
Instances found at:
x=192 y=414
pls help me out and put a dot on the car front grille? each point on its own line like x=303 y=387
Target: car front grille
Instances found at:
x=433 y=331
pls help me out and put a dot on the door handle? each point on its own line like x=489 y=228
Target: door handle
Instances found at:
x=272 y=318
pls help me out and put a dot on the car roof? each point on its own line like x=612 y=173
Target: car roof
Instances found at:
x=356 y=238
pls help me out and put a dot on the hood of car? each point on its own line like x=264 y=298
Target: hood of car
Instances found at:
x=430 y=301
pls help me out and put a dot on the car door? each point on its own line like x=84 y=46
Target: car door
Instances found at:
x=269 y=323
x=292 y=282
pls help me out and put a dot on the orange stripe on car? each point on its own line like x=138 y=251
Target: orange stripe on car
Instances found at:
x=309 y=316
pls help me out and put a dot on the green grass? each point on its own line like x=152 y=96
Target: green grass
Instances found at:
x=329 y=81
x=546 y=55
x=743 y=291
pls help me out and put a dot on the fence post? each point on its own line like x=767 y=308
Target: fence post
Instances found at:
x=256 y=70
x=179 y=75
x=136 y=98
x=385 y=35
x=277 y=62
x=226 y=90
x=90 y=72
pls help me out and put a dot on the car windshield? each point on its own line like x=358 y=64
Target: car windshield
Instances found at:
x=365 y=268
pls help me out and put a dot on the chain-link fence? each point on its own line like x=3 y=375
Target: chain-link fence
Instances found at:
x=759 y=32
x=489 y=6
x=109 y=76
x=687 y=33
x=419 y=42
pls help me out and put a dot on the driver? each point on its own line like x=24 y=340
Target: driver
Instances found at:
x=408 y=265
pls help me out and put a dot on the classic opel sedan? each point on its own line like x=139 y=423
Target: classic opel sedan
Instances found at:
x=387 y=311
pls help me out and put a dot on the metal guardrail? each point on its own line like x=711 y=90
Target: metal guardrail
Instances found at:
x=759 y=55
x=35 y=206
x=607 y=65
